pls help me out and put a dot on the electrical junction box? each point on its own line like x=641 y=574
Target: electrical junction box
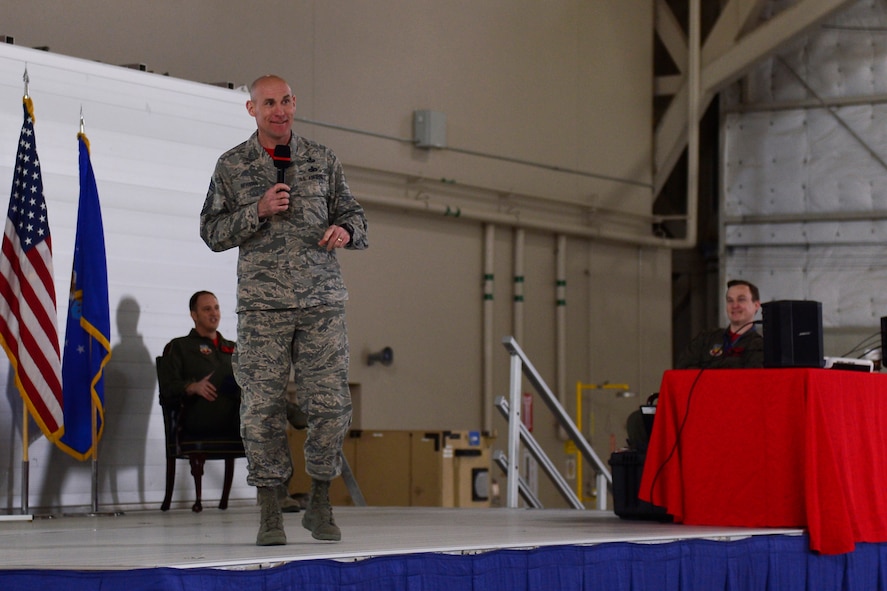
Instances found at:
x=429 y=129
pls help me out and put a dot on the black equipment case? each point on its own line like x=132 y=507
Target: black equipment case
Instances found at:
x=627 y=467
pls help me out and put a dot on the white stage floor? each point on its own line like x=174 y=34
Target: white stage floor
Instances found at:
x=226 y=539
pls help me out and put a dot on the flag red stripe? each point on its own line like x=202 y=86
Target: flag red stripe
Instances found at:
x=42 y=301
x=35 y=363
x=40 y=258
x=38 y=402
x=39 y=304
x=35 y=356
x=28 y=327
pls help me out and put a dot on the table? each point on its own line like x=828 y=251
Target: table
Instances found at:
x=773 y=448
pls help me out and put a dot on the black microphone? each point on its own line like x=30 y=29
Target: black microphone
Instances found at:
x=282 y=159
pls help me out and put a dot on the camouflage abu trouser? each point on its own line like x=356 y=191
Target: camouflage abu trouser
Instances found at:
x=315 y=342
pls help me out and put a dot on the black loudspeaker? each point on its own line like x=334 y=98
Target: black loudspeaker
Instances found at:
x=793 y=333
x=883 y=340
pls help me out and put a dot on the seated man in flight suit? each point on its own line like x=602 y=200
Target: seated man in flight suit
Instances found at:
x=198 y=373
x=737 y=346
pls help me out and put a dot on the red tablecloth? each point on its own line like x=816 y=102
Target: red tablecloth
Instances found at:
x=773 y=448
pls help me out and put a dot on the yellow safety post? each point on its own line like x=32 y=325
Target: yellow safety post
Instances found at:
x=580 y=387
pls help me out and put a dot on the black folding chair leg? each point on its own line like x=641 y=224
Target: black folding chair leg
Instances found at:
x=170 y=483
x=197 y=461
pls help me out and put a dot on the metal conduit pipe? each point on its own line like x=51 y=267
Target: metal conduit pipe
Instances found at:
x=560 y=298
x=420 y=187
x=517 y=416
x=542 y=165
x=518 y=297
x=488 y=338
x=693 y=115
x=513 y=221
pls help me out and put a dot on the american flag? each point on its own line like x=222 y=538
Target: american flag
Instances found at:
x=28 y=323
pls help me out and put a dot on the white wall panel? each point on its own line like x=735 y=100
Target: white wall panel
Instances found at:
x=813 y=177
x=153 y=142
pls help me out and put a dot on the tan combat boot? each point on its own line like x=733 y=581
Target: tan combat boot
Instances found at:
x=318 y=517
x=271 y=521
x=287 y=503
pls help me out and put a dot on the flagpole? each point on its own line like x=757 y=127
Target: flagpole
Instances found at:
x=25 y=512
x=26 y=465
x=92 y=406
x=26 y=461
x=95 y=458
x=88 y=325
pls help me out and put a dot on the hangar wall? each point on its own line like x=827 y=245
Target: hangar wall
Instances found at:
x=532 y=86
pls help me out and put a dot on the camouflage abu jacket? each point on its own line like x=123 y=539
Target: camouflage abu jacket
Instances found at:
x=280 y=265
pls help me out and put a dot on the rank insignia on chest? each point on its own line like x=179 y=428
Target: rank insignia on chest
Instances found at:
x=206 y=349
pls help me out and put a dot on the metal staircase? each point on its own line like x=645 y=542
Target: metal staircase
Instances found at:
x=518 y=433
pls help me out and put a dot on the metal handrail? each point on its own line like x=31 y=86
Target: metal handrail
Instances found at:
x=521 y=365
x=539 y=454
x=531 y=499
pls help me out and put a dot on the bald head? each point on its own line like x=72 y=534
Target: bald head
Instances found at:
x=261 y=81
x=273 y=105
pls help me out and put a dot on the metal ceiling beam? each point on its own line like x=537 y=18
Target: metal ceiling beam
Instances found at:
x=727 y=54
x=766 y=40
x=672 y=35
x=738 y=18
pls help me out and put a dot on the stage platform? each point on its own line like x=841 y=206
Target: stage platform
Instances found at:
x=420 y=549
x=226 y=539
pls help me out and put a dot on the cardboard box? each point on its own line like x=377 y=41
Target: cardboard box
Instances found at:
x=471 y=468
x=408 y=468
x=300 y=483
x=382 y=467
x=462 y=470
x=429 y=470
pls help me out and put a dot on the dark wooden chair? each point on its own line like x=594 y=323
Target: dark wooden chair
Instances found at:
x=197 y=448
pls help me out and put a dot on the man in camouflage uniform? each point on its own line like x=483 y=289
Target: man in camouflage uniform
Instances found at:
x=290 y=299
